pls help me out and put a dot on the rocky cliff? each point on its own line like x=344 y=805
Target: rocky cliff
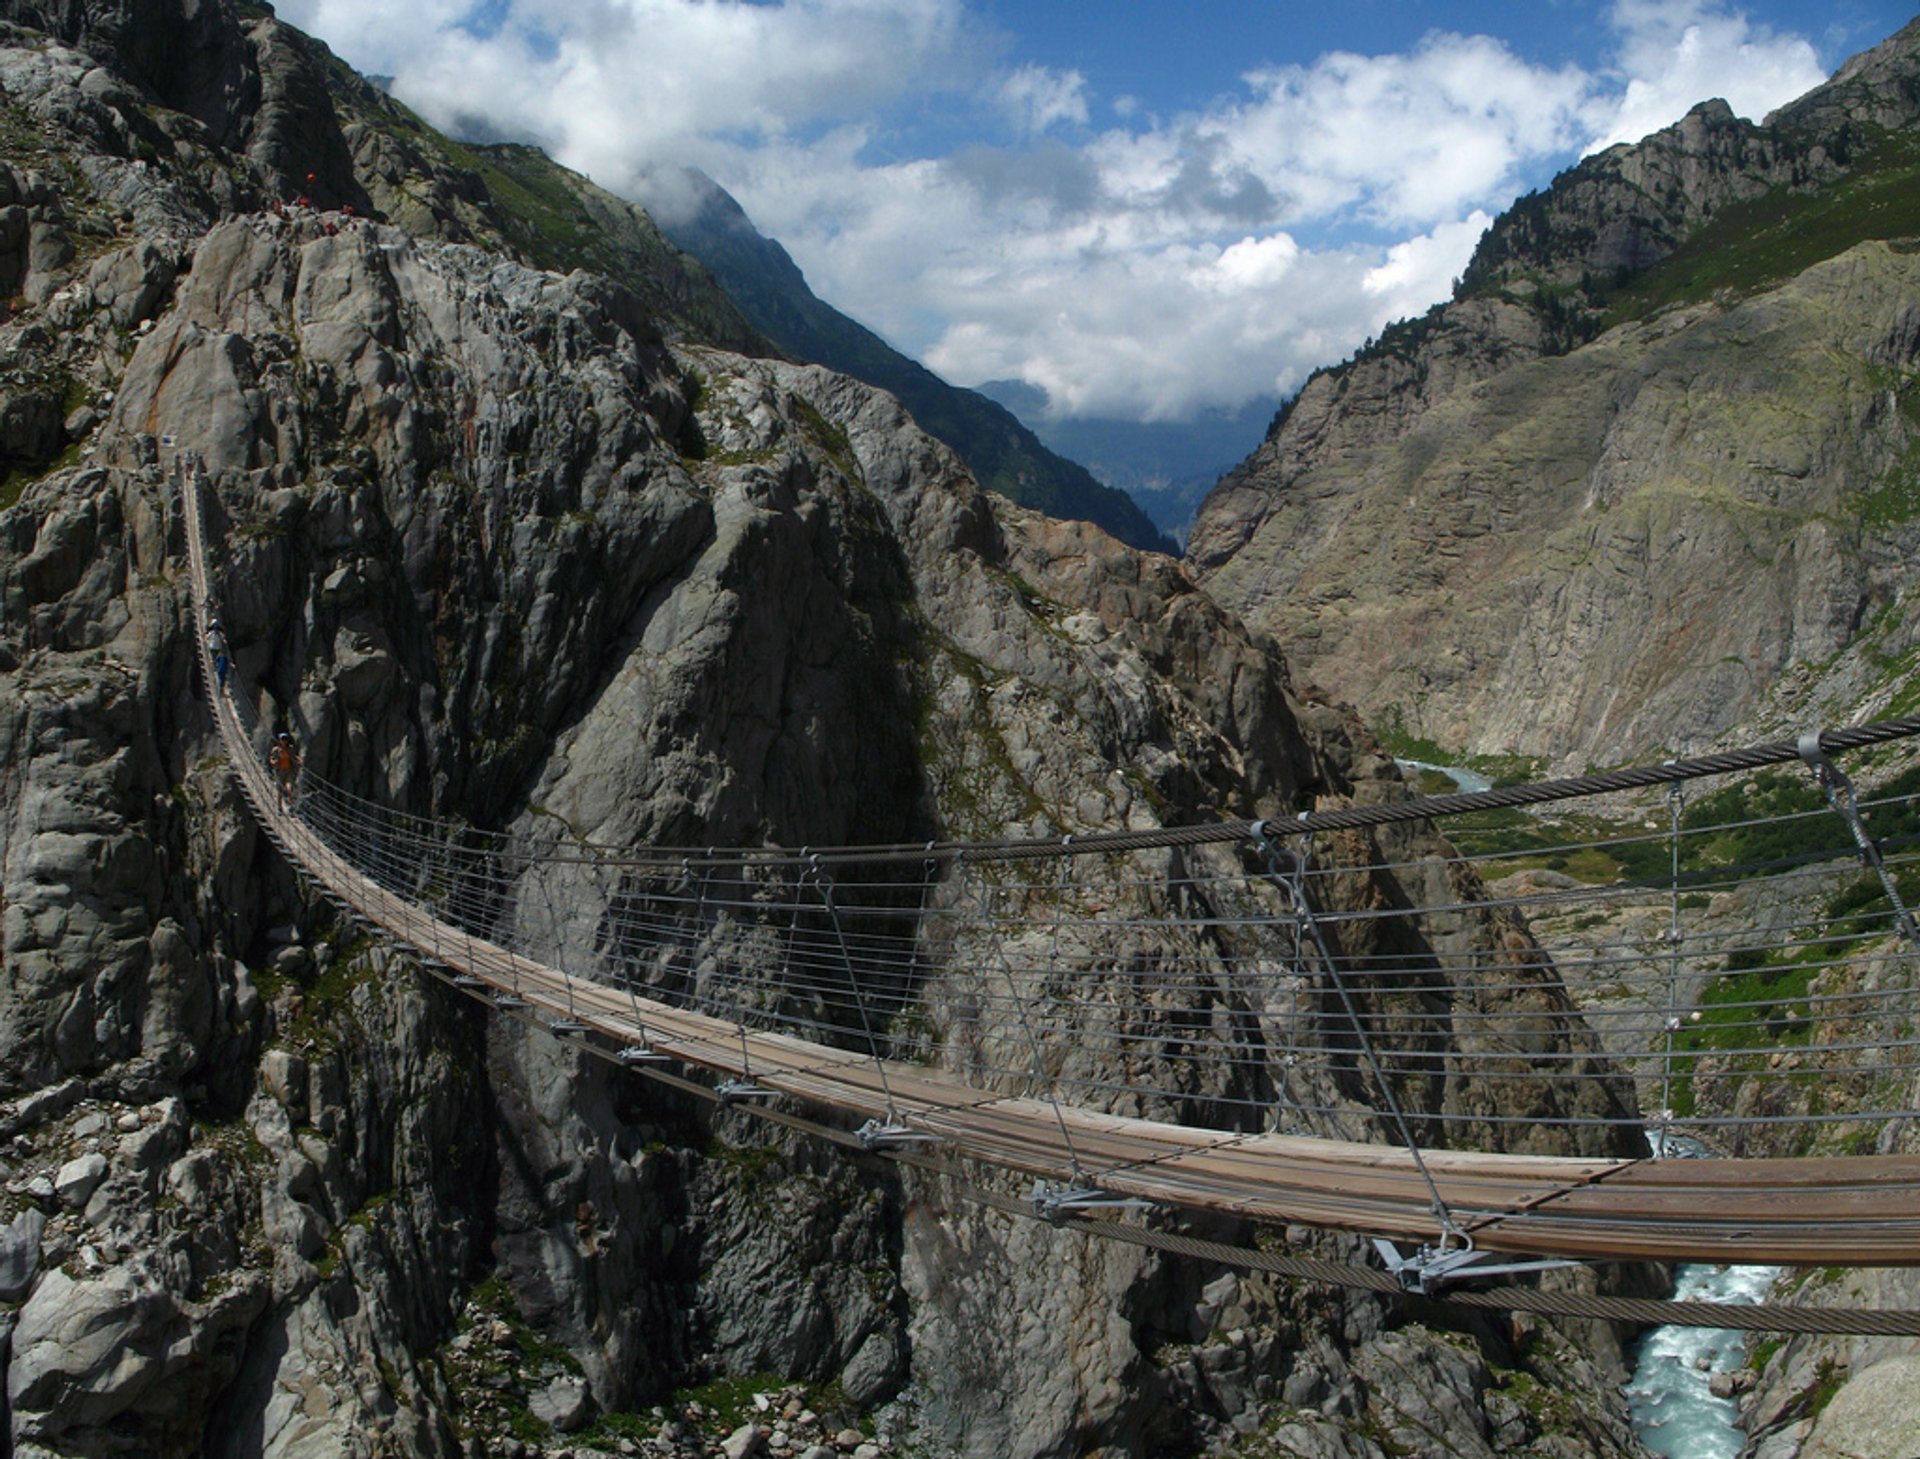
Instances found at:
x=505 y=542
x=1002 y=454
x=1654 y=464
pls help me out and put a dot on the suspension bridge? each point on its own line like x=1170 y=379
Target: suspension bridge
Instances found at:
x=1478 y=1053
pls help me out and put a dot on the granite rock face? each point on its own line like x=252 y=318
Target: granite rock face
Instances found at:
x=1606 y=553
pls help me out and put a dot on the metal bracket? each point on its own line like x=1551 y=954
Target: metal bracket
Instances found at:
x=1056 y=1203
x=641 y=1054
x=510 y=1002
x=566 y=1026
x=1431 y=1269
x=730 y=1090
x=892 y=1135
x=1838 y=789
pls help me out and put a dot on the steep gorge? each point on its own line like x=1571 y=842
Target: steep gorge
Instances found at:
x=505 y=542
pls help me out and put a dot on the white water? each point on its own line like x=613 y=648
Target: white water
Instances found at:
x=1465 y=779
x=1673 y=1411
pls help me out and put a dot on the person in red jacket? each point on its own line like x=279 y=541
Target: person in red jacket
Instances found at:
x=284 y=761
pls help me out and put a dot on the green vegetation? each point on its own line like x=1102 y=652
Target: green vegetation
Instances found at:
x=1828 y=1378
x=725 y=1404
x=493 y=1296
x=1719 y=832
x=1895 y=501
x=729 y=1399
x=1585 y=847
x=1750 y=245
x=362 y=1220
x=829 y=438
x=749 y=1160
x=1401 y=743
x=323 y=992
x=977 y=785
x=1761 y=1002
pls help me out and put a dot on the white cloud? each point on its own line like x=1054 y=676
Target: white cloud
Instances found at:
x=1153 y=267
x=1422 y=270
x=1675 y=53
x=1408 y=139
x=611 y=84
x=1037 y=98
x=1162 y=269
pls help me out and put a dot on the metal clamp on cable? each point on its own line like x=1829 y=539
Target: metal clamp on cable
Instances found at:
x=1833 y=782
x=1811 y=751
x=1056 y=1203
x=891 y=1135
x=1431 y=1269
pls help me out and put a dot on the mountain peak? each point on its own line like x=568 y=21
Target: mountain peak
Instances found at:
x=1642 y=471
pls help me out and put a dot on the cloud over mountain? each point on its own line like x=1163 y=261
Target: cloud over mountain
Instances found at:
x=1003 y=219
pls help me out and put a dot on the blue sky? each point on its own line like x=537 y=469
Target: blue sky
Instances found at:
x=1146 y=209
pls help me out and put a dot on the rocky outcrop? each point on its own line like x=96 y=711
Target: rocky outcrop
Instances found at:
x=1505 y=544
x=1604 y=554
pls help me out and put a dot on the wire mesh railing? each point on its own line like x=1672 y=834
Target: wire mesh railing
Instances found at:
x=1729 y=967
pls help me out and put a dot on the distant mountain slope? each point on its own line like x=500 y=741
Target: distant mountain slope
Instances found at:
x=1003 y=454
x=1168 y=467
x=1653 y=466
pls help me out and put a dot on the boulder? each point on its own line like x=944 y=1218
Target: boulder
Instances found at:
x=1877 y=1411
x=20 y=1253
x=78 y=1179
x=563 y=1404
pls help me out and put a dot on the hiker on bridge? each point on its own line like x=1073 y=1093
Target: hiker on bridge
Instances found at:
x=284 y=761
x=217 y=646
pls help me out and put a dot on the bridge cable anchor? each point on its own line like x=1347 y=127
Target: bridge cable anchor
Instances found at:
x=730 y=1091
x=1838 y=789
x=892 y=1135
x=1432 y=1269
x=1056 y=1203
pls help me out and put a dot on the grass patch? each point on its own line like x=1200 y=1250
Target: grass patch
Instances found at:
x=1761 y=1002
x=1587 y=848
x=1750 y=245
x=1744 y=830
x=493 y=1295
x=1893 y=503
x=1402 y=744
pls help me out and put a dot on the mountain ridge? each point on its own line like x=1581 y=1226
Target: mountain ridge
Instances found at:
x=1002 y=451
x=1415 y=553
